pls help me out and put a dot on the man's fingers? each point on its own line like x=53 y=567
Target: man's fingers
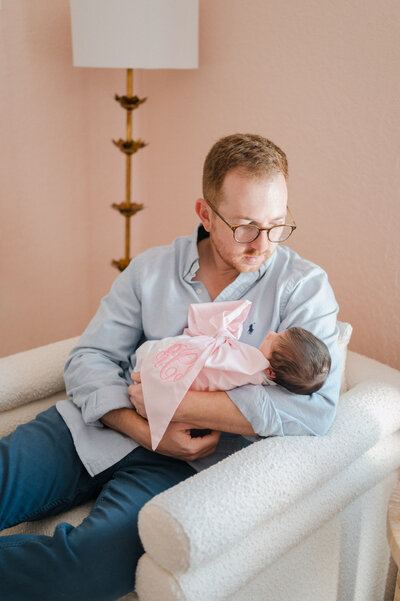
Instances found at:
x=204 y=446
x=177 y=442
x=136 y=398
x=131 y=393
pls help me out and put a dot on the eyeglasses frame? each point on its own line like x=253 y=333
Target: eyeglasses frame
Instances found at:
x=260 y=229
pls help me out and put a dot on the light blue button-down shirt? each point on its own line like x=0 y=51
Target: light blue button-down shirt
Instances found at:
x=150 y=300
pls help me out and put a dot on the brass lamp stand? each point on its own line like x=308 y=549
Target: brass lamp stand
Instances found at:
x=128 y=147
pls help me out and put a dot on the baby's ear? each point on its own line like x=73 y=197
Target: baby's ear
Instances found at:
x=270 y=373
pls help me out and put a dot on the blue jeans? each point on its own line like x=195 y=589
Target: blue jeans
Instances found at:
x=41 y=475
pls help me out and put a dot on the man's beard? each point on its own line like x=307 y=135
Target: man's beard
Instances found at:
x=236 y=262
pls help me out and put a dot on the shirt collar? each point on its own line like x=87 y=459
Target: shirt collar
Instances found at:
x=191 y=264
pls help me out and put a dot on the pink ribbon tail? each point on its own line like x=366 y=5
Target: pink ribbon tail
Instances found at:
x=166 y=379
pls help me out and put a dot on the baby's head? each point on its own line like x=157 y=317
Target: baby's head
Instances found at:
x=298 y=360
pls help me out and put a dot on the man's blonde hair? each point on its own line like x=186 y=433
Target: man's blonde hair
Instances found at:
x=252 y=154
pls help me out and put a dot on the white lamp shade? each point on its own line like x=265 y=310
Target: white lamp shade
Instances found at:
x=135 y=34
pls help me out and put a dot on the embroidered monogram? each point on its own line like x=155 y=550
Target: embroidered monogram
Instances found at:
x=175 y=361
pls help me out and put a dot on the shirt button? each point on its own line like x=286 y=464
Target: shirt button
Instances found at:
x=199 y=290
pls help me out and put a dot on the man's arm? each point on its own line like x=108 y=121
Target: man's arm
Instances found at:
x=309 y=303
x=96 y=370
x=176 y=442
x=213 y=410
x=272 y=410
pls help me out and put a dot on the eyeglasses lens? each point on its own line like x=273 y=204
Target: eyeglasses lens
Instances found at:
x=248 y=233
x=280 y=233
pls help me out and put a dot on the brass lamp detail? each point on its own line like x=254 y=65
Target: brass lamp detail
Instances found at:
x=129 y=147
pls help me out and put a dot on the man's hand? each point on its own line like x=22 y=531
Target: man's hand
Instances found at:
x=177 y=442
x=135 y=375
x=136 y=394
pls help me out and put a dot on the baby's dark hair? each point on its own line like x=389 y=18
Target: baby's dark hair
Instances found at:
x=301 y=361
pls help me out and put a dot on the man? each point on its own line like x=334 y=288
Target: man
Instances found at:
x=95 y=445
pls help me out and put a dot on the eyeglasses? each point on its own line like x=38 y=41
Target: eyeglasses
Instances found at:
x=244 y=234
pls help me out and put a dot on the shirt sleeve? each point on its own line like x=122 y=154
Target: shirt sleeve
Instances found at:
x=273 y=410
x=97 y=370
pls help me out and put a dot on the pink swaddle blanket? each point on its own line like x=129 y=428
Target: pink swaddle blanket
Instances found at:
x=207 y=356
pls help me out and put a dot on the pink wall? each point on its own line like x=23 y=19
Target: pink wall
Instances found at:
x=59 y=173
x=319 y=78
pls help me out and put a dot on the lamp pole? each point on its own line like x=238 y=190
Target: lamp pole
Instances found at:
x=128 y=147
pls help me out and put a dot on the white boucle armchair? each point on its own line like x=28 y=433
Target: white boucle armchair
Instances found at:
x=294 y=519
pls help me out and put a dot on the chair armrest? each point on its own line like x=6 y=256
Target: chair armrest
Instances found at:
x=33 y=374
x=241 y=563
x=213 y=511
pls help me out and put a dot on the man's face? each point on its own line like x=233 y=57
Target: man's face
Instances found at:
x=246 y=200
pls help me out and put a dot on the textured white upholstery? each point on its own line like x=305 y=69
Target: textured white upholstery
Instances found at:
x=33 y=374
x=286 y=518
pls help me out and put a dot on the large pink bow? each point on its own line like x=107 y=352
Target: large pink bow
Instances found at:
x=207 y=356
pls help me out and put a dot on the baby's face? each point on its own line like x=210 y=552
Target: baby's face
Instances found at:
x=270 y=343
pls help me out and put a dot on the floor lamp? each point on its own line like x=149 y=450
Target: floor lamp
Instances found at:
x=134 y=34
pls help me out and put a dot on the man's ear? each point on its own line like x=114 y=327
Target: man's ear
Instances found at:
x=203 y=211
x=270 y=373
